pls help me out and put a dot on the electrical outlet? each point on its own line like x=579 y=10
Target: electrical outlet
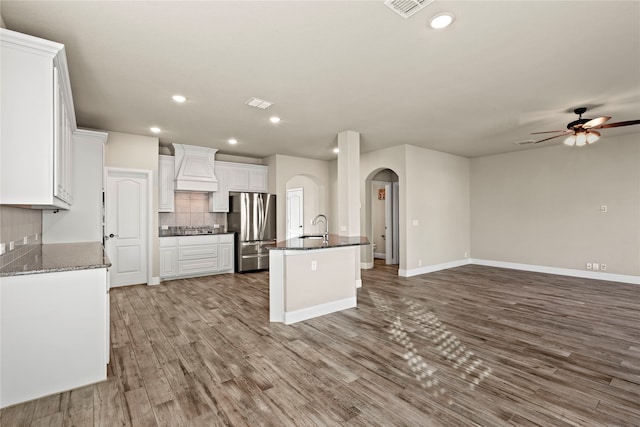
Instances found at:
x=596 y=266
x=465 y=255
x=415 y=223
x=603 y=267
x=589 y=266
x=3 y=248
x=12 y=244
x=314 y=265
x=36 y=237
x=419 y=262
x=25 y=240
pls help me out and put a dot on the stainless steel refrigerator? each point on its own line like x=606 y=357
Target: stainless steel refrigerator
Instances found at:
x=252 y=216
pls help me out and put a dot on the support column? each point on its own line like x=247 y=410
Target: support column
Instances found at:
x=349 y=183
x=349 y=190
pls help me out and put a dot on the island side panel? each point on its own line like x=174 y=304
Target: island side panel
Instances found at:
x=52 y=333
x=276 y=286
x=319 y=282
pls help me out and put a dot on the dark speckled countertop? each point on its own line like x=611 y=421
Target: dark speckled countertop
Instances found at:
x=335 y=241
x=55 y=257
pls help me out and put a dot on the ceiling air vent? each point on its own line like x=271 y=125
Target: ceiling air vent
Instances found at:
x=407 y=8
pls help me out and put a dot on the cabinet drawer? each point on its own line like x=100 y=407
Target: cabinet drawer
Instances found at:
x=197 y=252
x=197 y=240
x=168 y=242
x=226 y=238
x=208 y=265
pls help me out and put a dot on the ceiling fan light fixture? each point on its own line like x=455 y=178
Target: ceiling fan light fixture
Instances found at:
x=592 y=136
x=570 y=141
x=581 y=139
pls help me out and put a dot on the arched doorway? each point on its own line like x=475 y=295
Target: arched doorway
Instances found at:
x=383 y=217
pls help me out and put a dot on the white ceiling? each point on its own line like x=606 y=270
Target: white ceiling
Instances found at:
x=504 y=69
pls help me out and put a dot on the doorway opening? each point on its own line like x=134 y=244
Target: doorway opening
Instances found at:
x=385 y=214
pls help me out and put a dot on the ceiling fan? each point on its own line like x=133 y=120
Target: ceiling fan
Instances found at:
x=582 y=131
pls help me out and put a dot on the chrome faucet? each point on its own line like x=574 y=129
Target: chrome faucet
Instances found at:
x=325 y=236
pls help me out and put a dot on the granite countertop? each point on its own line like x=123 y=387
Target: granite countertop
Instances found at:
x=55 y=257
x=191 y=231
x=335 y=241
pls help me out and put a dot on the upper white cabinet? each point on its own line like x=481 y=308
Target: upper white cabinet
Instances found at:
x=238 y=177
x=38 y=120
x=82 y=223
x=251 y=178
x=166 y=176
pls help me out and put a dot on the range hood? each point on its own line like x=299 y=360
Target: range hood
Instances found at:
x=194 y=168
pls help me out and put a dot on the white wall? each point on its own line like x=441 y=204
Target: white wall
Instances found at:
x=370 y=164
x=438 y=197
x=282 y=169
x=542 y=206
x=434 y=191
x=130 y=151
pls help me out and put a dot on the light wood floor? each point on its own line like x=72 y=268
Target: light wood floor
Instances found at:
x=467 y=346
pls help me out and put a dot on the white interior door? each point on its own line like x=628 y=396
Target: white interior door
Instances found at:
x=127 y=226
x=392 y=225
x=295 y=212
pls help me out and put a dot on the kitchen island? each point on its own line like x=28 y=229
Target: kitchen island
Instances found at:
x=54 y=320
x=309 y=277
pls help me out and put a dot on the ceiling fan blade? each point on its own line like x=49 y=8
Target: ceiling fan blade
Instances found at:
x=617 y=124
x=595 y=122
x=546 y=139
x=550 y=131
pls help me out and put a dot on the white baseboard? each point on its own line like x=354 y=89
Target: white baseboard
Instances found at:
x=318 y=310
x=154 y=281
x=379 y=255
x=431 y=268
x=598 y=275
x=366 y=265
x=358 y=283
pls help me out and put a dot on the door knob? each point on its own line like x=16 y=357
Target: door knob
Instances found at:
x=110 y=236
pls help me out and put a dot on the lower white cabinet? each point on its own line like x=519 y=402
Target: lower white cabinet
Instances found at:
x=192 y=256
x=54 y=333
x=168 y=256
x=225 y=256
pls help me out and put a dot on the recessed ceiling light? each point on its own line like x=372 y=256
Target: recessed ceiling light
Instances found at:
x=179 y=98
x=441 y=20
x=336 y=150
x=274 y=119
x=155 y=129
x=233 y=141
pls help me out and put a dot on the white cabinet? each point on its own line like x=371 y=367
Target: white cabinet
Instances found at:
x=219 y=200
x=82 y=223
x=38 y=120
x=225 y=257
x=246 y=177
x=168 y=257
x=55 y=333
x=166 y=178
x=238 y=177
x=193 y=256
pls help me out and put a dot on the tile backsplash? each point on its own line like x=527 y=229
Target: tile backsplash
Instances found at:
x=191 y=209
x=15 y=225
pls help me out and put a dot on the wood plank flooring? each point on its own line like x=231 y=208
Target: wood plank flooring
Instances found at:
x=470 y=346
